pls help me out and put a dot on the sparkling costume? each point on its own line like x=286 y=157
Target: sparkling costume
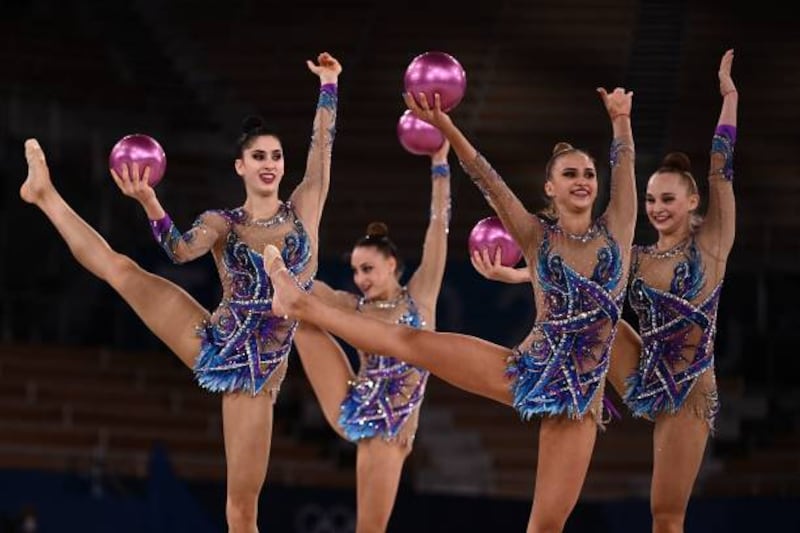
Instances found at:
x=387 y=392
x=675 y=294
x=244 y=346
x=579 y=285
x=385 y=397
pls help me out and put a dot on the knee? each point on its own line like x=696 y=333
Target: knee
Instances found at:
x=119 y=268
x=667 y=518
x=546 y=525
x=548 y=517
x=371 y=521
x=241 y=511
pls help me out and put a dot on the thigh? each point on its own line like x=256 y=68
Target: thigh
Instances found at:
x=379 y=467
x=679 y=443
x=624 y=360
x=170 y=312
x=327 y=368
x=247 y=429
x=565 y=451
x=469 y=363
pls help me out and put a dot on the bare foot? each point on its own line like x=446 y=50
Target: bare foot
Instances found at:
x=38 y=183
x=287 y=295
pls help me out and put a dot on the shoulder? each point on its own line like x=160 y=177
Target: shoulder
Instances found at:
x=219 y=219
x=544 y=221
x=223 y=215
x=637 y=251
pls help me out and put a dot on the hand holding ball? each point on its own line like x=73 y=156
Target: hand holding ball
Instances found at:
x=489 y=233
x=430 y=73
x=436 y=72
x=141 y=149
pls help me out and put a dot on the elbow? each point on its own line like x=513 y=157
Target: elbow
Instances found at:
x=177 y=260
x=177 y=257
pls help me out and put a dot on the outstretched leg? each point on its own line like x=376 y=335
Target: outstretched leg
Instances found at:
x=472 y=364
x=679 y=442
x=327 y=368
x=565 y=451
x=379 y=465
x=169 y=311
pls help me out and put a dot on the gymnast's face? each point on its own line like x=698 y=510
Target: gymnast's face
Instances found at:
x=374 y=273
x=669 y=203
x=261 y=165
x=572 y=184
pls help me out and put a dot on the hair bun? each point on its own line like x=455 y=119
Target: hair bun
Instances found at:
x=377 y=230
x=252 y=123
x=562 y=147
x=677 y=160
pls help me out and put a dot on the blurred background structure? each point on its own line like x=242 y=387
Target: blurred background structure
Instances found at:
x=102 y=429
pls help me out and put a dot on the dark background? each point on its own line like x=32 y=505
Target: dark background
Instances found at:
x=80 y=75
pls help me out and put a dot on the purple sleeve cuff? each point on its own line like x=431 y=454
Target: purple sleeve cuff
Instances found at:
x=328 y=96
x=160 y=227
x=727 y=131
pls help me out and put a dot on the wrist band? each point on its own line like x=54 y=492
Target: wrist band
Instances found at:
x=441 y=170
x=328 y=96
x=722 y=143
x=617 y=145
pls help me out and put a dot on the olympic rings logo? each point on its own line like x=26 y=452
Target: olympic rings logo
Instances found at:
x=314 y=518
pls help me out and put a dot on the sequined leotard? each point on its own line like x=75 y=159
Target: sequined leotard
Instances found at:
x=244 y=346
x=675 y=294
x=578 y=282
x=385 y=397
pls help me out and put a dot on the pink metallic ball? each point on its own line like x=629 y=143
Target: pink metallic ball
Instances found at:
x=490 y=233
x=142 y=149
x=436 y=72
x=417 y=136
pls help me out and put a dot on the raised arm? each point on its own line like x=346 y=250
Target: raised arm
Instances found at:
x=622 y=208
x=309 y=196
x=426 y=281
x=509 y=208
x=180 y=248
x=719 y=226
